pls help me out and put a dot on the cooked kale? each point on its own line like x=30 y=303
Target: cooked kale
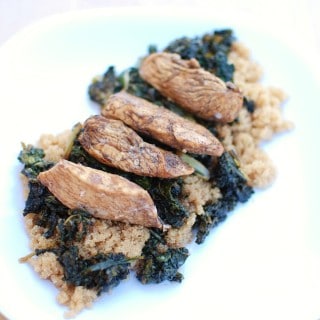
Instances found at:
x=48 y=209
x=213 y=215
x=101 y=88
x=152 y=48
x=36 y=197
x=230 y=180
x=75 y=227
x=101 y=272
x=234 y=188
x=130 y=80
x=221 y=68
x=211 y=51
x=39 y=199
x=33 y=160
x=138 y=87
x=166 y=194
x=160 y=263
x=53 y=210
x=110 y=83
x=249 y=104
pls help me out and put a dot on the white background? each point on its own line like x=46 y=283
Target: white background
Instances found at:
x=290 y=14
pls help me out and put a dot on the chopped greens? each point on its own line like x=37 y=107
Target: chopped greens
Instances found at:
x=102 y=87
x=160 y=263
x=33 y=160
x=230 y=180
x=75 y=226
x=36 y=197
x=101 y=272
x=213 y=214
x=234 y=188
x=49 y=210
x=166 y=194
x=211 y=51
x=249 y=104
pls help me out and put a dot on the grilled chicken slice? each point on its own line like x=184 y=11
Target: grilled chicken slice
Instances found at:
x=104 y=195
x=193 y=88
x=113 y=143
x=162 y=124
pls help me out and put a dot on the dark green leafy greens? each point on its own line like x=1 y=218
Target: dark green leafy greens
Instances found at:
x=166 y=195
x=75 y=226
x=48 y=208
x=211 y=51
x=160 y=263
x=234 y=188
x=101 y=88
x=230 y=179
x=36 y=197
x=33 y=160
x=101 y=272
x=249 y=104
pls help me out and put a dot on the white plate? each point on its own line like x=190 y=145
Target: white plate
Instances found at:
x=262 y=263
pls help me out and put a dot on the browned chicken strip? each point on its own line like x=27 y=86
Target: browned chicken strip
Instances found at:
x=161 y=124
x=113 y=143
x=104 y=195
x=190 y=86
